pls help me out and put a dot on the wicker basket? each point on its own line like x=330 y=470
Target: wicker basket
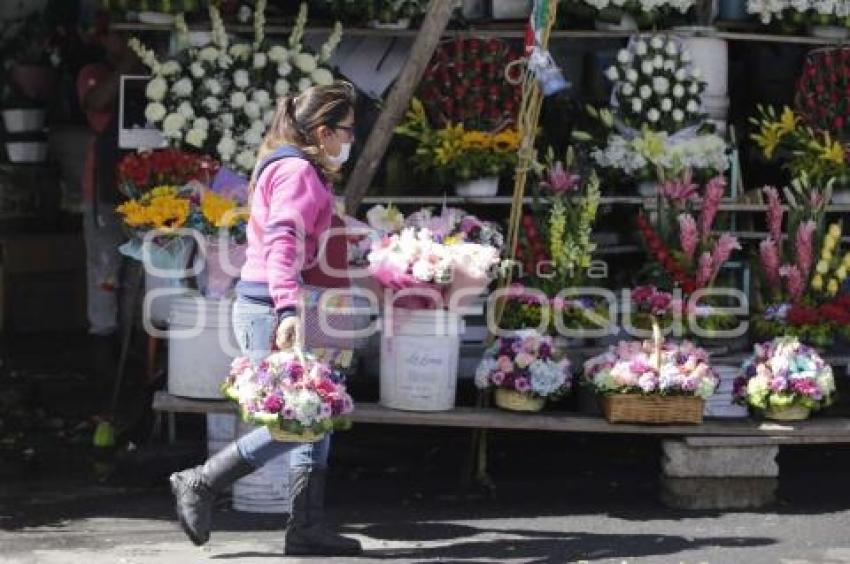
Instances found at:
x=287 y=437
x=789 y=413
x=654 y=410
x=515 y=401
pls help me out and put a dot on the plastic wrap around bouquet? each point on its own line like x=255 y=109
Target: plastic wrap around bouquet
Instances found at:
x=652 y=381
x=426 y=272
x=298 y=397
x=524 y=370
x=785 y=380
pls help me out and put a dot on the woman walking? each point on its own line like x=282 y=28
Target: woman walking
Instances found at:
x=291 y=209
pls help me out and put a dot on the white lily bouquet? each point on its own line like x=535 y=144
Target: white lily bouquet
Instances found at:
x=219 y=99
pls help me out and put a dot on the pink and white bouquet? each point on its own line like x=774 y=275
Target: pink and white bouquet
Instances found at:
x=526 y=363
x=783 y=373
x=289 y=391
x=641 y=367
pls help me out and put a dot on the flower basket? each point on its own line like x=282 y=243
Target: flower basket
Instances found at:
x=788 y=413
x=287 y=437
x=652 y=410
x=515 y=401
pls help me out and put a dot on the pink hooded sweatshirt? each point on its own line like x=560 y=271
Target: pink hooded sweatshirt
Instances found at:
x=291 y=209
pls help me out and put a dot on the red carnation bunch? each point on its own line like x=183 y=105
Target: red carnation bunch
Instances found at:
x=531 y=250
x=465 y=83
x=139 y=172
x=823 y=91
x=664 y=257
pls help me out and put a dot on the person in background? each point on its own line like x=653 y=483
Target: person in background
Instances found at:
x=98 y=91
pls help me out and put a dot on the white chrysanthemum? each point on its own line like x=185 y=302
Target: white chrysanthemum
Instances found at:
x=182 y=88
x=237 y=100
x=322 y=77
x=262 y=98
x=211 y=104
x=201 y=123
x=155 y=112
x=624 y=57
x=284 y=69
x=281 y=87
x=197 y=70
x=172 y=125
x=666 y=105
x=678 y=115
x=693 y=89
x=156 y=89
x=213 y=86
x=196 y=137
x=227 y=120
x=641 y=48
x=657 y=42
x=612 y=74
x=186 y=110
x=170 y=68
x=671 y=49
x=661 y=85
x=278 y=54
x=647 y=68
x=226 y=146
x=208 y=54
x=240 y=51
x=253 y=137
x=252 y=110
x=241 y=78
x=678 y=91
x=653 y=115
x=268 y=117
x=681 y=75
x=627 y=89
x=632 y=75
x=637 y=105
x=305 y=62
x=260 y=60
x=645 y=92
x=658 y=62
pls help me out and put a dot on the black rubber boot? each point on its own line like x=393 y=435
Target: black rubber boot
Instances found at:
x=195 y=490
x=306 y=533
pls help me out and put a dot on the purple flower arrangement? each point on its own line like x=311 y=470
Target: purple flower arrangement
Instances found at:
x=636 y=367
x=784 y=373
x=526 y=363
x=290 y=391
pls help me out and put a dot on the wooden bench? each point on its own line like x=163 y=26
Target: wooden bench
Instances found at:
x=721 y=464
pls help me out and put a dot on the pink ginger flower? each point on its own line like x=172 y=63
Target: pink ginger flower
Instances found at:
x=704 y=270
x=774 y=213
x=720 y=254
x=804 y=248
x=794 y=281
x=688 y=235
x=769 y=252
x=559 y=180
x=681 y=191
x=714 y=191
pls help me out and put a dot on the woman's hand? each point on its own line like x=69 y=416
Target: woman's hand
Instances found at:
x=289 y=333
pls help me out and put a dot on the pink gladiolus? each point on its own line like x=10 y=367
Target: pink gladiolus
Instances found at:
x=688 y=235
x=714 y=191
x=804 y=248
x=794 y=281
x=704 y=270
x=774 y=213
x=559 y=180
x=721 y=253
x=680 y=192
x=770 y=261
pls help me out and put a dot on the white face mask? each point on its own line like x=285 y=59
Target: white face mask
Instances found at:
x=344 y=153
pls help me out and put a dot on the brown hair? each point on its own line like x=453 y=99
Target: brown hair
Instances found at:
x=297 y=118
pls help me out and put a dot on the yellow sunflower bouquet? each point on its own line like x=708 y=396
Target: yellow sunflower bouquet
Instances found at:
x=457 y=154
x=164 y=209
x=805 y=151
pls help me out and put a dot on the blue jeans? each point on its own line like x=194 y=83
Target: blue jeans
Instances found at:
x=255 y=326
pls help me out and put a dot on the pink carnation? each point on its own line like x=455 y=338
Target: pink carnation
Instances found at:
x=714 y=191
x=688 y=235
x=804 y=248
x=770 y=261
x=774 y=213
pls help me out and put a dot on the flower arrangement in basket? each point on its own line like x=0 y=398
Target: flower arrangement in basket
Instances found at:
x=298 y=397
x=527 y=308
x=656 y=126
x=459 y=155
x=785 y=380
x=217 y=99
x=524 y=370
x=139 y=172
x=652 y=381
x=802 y=273
x=806 y=151
x=634 y=14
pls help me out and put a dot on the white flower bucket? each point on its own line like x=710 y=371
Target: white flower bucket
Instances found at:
x=830 y=32
x=27 y=151
x=161 y=306
x=711 y=56
x=201 y=346
x=419 y=359
x=479 y=188
x=23 y=120
x=266 y=490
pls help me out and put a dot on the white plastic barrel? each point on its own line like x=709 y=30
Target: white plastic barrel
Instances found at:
x=201 y=346
x=711 y=56
x=419 y=359
x=160 y=306
x=266 y=490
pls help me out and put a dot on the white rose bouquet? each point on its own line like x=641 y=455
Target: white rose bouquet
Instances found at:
x=645 y=12
x=656 y=86
x=813 y=12
x=219 y=99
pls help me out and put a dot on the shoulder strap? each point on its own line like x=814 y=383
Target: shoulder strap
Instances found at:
x=284 y=152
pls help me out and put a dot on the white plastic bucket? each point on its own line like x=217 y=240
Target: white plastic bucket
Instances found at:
x=266 y=490
x=711 y=56
x=479 y=188
x=27 y=151
x=160 y=306
x=419 y=359
x=20 y=120
x=200 y=346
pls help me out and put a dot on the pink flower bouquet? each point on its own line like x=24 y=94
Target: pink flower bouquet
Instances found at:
x=635 y=367
x=294 y=394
